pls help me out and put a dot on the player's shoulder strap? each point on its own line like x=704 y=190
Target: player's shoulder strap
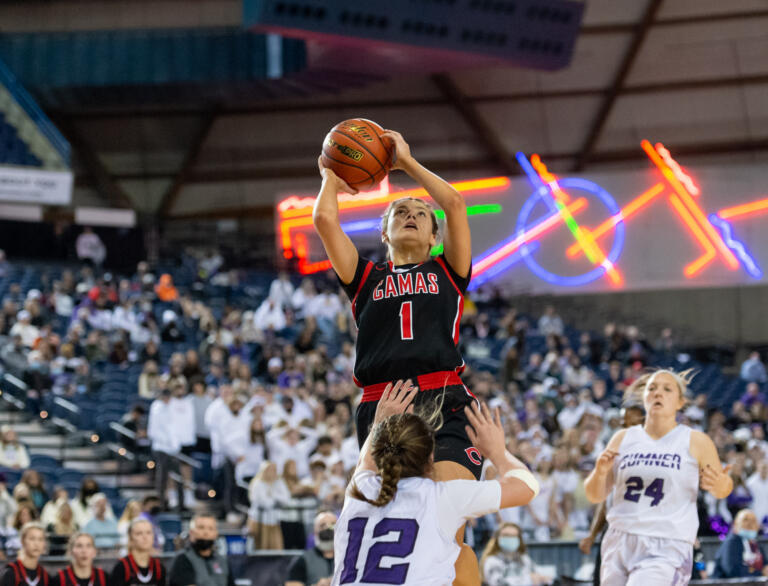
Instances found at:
x=453 y=277
x=16 y=574
x=127 y=568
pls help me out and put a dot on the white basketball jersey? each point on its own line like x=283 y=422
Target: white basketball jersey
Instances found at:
x=412 y=539
x=656 y=485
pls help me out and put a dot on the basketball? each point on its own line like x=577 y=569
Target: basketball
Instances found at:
x=356 y=152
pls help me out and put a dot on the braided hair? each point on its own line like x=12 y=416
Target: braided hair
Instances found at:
x=401 y=447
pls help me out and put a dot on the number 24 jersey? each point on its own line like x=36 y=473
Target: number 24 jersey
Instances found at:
x=656 y=485
x=408 y=319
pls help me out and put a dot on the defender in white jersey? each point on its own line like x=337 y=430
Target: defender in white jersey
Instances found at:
x=398 y=526
x=653 y=473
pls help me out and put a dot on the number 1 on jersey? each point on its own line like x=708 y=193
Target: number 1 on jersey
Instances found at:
x=406 y=321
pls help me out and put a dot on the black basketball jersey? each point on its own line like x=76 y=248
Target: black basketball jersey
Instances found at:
x=408 y=319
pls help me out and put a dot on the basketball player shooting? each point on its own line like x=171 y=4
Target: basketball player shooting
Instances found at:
x=653 y=472
x=408 y=311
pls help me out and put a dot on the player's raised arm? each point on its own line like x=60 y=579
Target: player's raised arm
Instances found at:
x=599 y=483
x=712 y=476
x=340 y=249
x=518 y=485
x=456 y=239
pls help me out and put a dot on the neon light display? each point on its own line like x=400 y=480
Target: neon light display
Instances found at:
x=737 y=246
x=552 y=205
x=747 y=209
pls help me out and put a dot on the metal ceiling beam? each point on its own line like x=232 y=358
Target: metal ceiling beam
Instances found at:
x=190 y=159
x=103 y=181
x=596 y=128
x=659 y=87
x=626 y=27
x=464 y=165
x=484 y=131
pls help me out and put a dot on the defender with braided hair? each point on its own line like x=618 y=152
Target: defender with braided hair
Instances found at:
x=394 y=509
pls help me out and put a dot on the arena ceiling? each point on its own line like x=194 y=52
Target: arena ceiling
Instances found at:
x=690 y=73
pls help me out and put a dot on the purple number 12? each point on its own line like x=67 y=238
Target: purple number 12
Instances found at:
x=373 y=573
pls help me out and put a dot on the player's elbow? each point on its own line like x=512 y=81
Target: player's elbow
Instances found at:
x=323 y=219
x=454 y=204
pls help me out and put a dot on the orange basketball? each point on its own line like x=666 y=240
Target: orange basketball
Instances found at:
x=356 y=152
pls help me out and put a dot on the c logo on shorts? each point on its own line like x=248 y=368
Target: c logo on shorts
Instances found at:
x=474 y=456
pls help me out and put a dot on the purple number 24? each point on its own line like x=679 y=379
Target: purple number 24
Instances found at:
x=655 y=490
x=373 y=573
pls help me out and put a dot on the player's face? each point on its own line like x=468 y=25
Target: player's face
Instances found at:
x=410 y=222
x=662 y=396
x=83 y=551
x=142 y=536
x=34 y=543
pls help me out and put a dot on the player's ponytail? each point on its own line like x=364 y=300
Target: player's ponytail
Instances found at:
x=401 y=446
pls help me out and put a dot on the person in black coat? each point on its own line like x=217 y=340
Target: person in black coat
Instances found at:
x=740 y=555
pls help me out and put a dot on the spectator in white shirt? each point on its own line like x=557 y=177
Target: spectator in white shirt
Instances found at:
x=753 y=370
x=569 y=416
x=184 y=424
x=13 y=454
x=288 y=443
x=63 y=304
x=251 y=451
x=758 y=488
x=24 y=328
x=281 y=290
x=90 y=248
x=323 y=307
x=269 y=316
x=165 y=438
x=267 y=492
x=303 y=295
x=550 y=322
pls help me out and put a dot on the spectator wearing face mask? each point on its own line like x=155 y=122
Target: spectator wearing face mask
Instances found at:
x=200 y=563
x=315 y=564
x=504 y=561
x=740 y=555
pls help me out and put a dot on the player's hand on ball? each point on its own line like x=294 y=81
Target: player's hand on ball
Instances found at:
x=718 y=482
x=484 y=429
x=605 y=462
x=397 y=398
x=329 y=175
x=402 y=156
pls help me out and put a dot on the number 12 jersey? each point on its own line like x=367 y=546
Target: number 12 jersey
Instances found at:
x=412 y=539
x=656 y=485
x=408 y=319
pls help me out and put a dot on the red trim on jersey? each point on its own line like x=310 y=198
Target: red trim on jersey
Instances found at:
x=425 y=382
x=71 y=573
x=441 y=262
x=20 y=571
x=366 y=272
x=457 y=320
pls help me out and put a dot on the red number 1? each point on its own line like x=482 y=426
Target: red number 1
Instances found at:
x=406 y=325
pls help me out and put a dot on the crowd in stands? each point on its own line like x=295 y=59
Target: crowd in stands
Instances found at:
x=262 y=382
